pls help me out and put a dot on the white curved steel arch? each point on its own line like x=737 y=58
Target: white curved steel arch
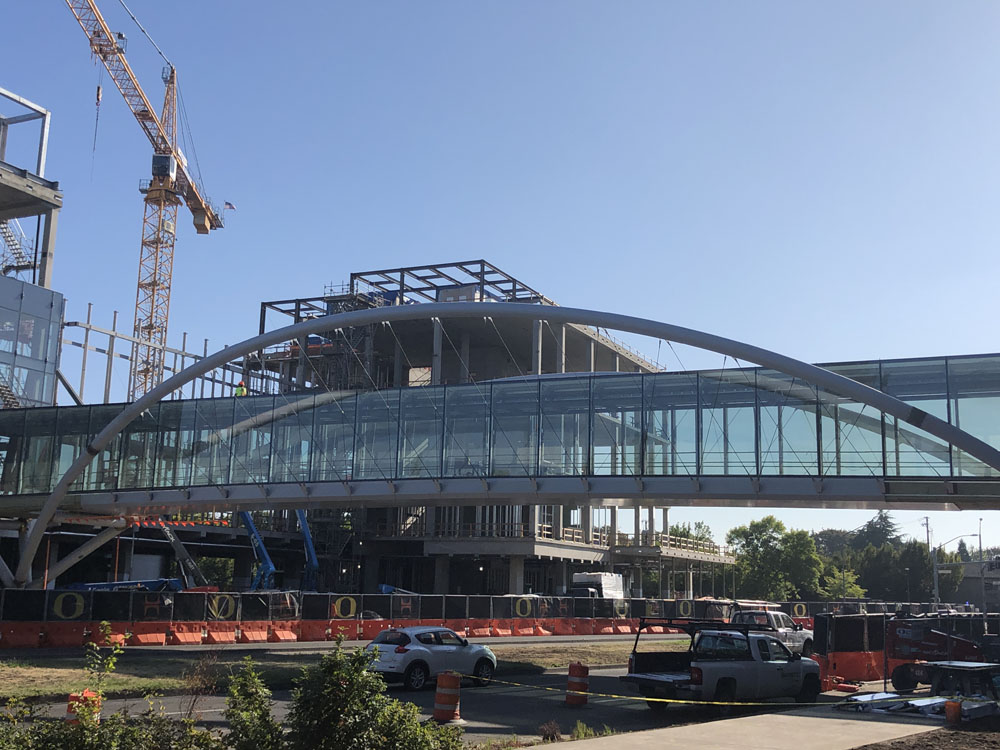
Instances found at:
x=837 y=384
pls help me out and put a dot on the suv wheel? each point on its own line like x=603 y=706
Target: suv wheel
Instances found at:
x=807 y=648
x=415 y=676
x=483 y=672
x=809 y=691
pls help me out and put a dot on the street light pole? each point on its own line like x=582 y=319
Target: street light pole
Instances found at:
x=907 y=585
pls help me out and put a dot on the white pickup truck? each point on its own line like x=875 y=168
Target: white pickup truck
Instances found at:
x=789 y=632
x=723 y=664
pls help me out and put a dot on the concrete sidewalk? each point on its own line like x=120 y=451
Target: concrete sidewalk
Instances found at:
x=815 y=728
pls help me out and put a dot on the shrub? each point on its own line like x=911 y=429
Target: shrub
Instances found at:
x=550 y=731
x=248 y=711
x=338 y=704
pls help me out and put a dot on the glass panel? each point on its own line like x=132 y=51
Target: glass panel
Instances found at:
x=174 y=450
x=291 y=436
x=617 y=427
x=728 y=427
x=671 y=424
x=788 y=443
x=40 y=427
x=250 y=439
x=515 y=429
x=421 y=423
x=102 y=472
x=466 y=430
x=213 y=440
x=333 y=437
x=12 y=447
x=138 y=453
x=8 y=329
x=32 y=336
x=851 y=432
x=975 y=407
x=72 y=433
x=378 y=435
x=909 y=450
x=565 y=426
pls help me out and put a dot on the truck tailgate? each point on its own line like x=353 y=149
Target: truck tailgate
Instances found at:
x=669 y=678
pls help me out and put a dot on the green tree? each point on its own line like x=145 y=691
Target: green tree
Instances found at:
x=833 y=542
x=802 y=564
x=248 y=712
x=878 y=531
x=840 y=583
x=759 y=559
x=963 y=551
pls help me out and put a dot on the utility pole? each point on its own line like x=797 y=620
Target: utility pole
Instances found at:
x=934 y=567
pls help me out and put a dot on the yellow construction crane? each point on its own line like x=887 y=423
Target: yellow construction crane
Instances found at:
x=170 y=184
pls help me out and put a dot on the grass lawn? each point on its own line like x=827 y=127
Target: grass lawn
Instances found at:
x=42 y=675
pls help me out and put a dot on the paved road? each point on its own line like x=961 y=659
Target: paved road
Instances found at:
x=491 y=712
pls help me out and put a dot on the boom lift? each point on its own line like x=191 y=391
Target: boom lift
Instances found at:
x=264 y=577
x=170 y=184
x=311 y=571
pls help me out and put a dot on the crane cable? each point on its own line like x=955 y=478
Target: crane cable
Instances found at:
x=145 y=33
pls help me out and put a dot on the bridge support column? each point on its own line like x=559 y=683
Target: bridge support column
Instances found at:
x=436 y=354
x=637 y=526
x=651 y=524
x=587 y=523
x=516 y=574
x=557 y=522
x=463 y=366
x=242 y=570
x=560 y=331
x=397 y=367
x=689 y=583
x=536 y=347
x=442 y=567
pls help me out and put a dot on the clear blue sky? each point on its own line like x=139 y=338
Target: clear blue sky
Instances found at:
x=819 y=179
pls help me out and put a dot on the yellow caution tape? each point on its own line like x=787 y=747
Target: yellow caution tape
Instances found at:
x=692 y=701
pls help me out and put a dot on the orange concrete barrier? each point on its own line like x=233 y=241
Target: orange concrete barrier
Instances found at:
x=350 y=630
x=447 y=698
x=75 y=699
x=624 y=627
x=186 y=633
x=603 y=626
x=459 y=626
x=545 y=627
x=406 y=623
x=220 y=632
x=479 y=628
x=500 y=628
x=149 y=633
x=282 y=631
x=655 y=629
x=64 y=634
x=369 y=628
x=523 y=626
x=314 y=630
x=564 y=626
x=583 y=626
x=253 y=631
x=578 y=682
x=20 y=634
x=93 y=633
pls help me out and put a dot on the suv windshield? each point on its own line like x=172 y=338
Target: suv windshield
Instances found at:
x=392 y=637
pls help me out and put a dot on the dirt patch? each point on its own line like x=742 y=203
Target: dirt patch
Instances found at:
x=983 y=734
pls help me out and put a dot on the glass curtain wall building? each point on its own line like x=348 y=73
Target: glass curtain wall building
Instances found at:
x=743 y=422
x=30 y=327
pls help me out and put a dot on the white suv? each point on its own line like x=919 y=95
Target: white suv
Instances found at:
x=415 y=655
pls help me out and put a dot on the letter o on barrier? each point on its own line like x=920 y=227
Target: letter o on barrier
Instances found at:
x=526 y=611
x=684 y=608
x=59 y=606
x=221 y=607
x=338 y=608
x=799 y=610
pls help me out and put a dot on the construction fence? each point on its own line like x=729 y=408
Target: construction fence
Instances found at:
x=30 y=619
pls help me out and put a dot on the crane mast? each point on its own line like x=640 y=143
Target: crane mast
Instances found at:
x=169 y=186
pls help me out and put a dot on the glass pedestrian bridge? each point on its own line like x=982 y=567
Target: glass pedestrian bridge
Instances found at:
x=750 y=422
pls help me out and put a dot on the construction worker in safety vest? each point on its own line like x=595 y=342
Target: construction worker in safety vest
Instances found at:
x=241 y=390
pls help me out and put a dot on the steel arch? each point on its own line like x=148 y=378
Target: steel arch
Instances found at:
x=836 y=384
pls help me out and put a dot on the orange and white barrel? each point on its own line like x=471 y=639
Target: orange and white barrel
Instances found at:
x=447 y=698
x=577 y=685
x=75 y=699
